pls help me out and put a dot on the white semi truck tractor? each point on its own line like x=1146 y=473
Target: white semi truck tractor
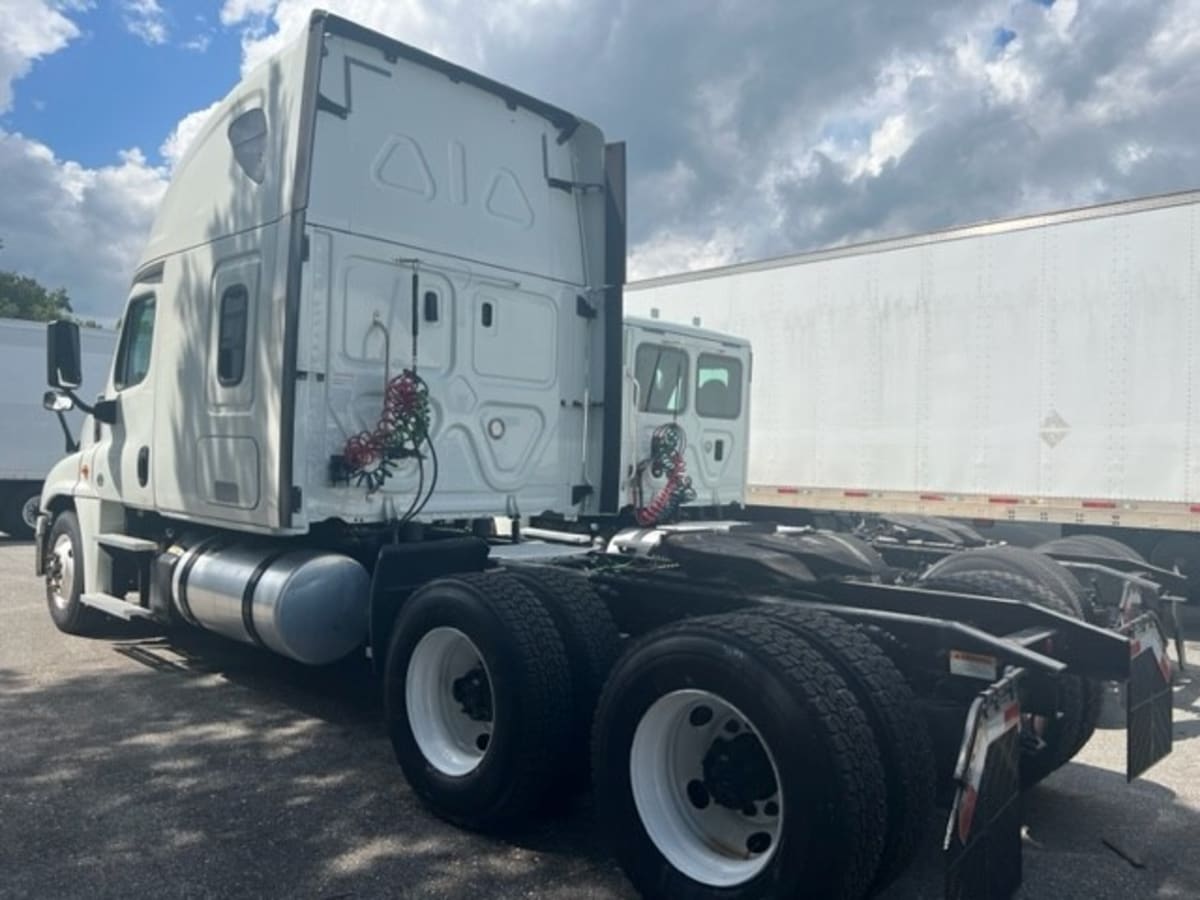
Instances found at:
x=380 y=310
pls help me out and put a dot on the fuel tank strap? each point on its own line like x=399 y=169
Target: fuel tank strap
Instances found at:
x=216 y=542
x=248 y=595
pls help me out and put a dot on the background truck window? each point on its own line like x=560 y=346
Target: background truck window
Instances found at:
x=661 y=374
x=718 y=386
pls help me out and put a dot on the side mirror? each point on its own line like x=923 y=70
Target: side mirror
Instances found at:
x=57 y=401
x=64 y=368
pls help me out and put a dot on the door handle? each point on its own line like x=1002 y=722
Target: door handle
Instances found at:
x=143 y=466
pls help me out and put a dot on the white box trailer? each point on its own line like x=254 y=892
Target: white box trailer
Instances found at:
x=1043 y=370
x=31 y=441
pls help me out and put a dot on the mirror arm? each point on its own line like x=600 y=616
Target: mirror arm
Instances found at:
x=86 y=408
x=72 y=444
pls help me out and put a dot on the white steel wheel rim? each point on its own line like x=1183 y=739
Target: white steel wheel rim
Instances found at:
x=63 y=579
x=712 y=843
x=450 y=733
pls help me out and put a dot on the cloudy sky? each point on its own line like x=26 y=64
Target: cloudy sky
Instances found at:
x=755 y=127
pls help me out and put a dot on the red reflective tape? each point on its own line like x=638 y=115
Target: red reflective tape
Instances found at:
x=855 y=494
x=932 y=497
x=1012 y=712
x=787 y=490
x=1099 y=504
x=1011 y=501
x=1194 y=508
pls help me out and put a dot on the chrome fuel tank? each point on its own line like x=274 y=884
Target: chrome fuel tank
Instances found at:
x=308 y=605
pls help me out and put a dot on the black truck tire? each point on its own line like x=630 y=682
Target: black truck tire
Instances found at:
x=592 y=642
x=16 y=506
x=1020 y=561
x=905 y=746
x=477 y=695
x=713 y=686
x=1091 y=545
x=64 y=578
x=1079 y=698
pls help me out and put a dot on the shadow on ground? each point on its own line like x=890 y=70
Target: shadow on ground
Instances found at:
x=188 y=765
x=219 y=770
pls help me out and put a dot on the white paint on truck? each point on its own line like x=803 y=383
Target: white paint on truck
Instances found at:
x=1041 y=369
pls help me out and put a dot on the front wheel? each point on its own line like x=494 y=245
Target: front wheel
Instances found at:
x=732 y=761
x=64 y=577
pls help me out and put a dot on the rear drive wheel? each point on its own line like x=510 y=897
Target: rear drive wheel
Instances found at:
x=477 y=698
x=732 y=761
x=902 y=735
x=592 y=642
x=1048 y=742
x=64 y=577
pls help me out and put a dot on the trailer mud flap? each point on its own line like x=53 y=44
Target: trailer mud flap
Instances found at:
x=1148 y=731
x=983 y=838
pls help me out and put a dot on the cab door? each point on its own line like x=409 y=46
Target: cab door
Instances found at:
x=122 y=463
x=658 y=381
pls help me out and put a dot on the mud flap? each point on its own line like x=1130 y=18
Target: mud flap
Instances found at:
x=1148 y=731
x=983 y=838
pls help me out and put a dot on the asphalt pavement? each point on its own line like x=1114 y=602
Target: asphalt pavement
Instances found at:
x=139 y=764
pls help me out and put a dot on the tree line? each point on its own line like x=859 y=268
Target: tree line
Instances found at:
x=23 y=297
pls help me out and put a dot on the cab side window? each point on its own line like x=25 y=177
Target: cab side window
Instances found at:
x=661 y=374
x=718 y=386
x=137 y=339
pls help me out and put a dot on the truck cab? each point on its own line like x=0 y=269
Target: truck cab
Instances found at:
x=381 y=291
x=686 y=391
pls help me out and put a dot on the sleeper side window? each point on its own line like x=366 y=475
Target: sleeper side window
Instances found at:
x=231 y=335
x=718 y=386
x=137 y=339
x=661 y=374
x=248 y=138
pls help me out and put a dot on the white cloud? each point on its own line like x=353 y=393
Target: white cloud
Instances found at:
x=76 y=227
x=31 y=30
x=234 y=12
x=198 y=44
x=147 y=20
x=668 y=251
x=180 y=139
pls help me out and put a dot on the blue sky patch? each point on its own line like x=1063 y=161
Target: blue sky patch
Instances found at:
x=109 y=90
x=1002 y=37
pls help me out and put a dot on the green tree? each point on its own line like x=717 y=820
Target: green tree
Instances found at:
x=22 y=297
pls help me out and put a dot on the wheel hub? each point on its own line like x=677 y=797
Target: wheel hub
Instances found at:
x=474 y=694
x=738 y=772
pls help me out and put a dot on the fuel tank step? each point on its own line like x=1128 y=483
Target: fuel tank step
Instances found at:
x=127 y=543
x=115 y=606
